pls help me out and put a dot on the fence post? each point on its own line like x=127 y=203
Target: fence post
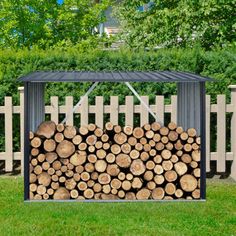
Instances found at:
x=233 y=130
x=21 y=90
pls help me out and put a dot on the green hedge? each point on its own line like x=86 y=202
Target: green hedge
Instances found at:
x=220 y=65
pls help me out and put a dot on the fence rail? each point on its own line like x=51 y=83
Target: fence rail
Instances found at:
x=128 y=109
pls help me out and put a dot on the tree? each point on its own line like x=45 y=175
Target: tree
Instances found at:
x=25 y=23
x=178 y=23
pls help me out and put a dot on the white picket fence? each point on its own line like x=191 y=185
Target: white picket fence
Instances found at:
x=129 y=110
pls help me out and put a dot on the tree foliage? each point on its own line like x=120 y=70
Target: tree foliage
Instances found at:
x=25 y=23
x=171 y=23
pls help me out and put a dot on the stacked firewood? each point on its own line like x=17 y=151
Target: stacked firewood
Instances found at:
x=149 y=162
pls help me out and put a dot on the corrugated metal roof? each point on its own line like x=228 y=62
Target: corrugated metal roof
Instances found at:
x=114 y=76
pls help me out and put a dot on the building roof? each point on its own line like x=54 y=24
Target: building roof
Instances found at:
x=113 y=76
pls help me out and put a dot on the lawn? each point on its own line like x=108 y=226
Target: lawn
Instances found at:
x=216 y=216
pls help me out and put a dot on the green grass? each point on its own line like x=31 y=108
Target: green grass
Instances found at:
x=216 y=216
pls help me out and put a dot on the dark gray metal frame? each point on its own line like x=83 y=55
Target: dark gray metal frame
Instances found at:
x=27 y=143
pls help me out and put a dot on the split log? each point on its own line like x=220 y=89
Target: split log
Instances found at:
x=46 y=129
x=61 y=194
x=44 y=179
x=78 y=158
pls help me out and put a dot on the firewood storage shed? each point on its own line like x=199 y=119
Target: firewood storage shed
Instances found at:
x=190 y=103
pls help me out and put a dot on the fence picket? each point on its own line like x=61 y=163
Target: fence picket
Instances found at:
x=160 y=108
x=8 y=135
x=144 y=114
x=99 y=111
x=208 y=126
x=221 y=133
x=54 y=109
x=69 y=108
x=84 y=109
x=129 y=110
x=21 y=89
x=114 y=109
x=174 y=108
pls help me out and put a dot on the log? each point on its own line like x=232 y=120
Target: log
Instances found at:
x=151 y=185
x=83 y=130
x=147 y=127
x=166 y=154
x=188 y=183
x=149 y=134
x=129 y=176
x=186 y=158
x=31 y=135
x=110 y=158
x=169 y=146
x=76 y=177
x=170 y=188
x=82 y=186
x=65 y=149
x=38 y=197
x=89 y=167
x=46 y=129
x=91 y=140
x=121 y=194
x=49 y=145
x=32 y=178
x=113 y=170
x=137 y=167
x=60 y=127
x=134 y=154
x=184 y=136
x=196 y=156
x=62 y=179
x=126 y=148
x=50 y=191
x=109 y=126
x=82 y=146
x=98 y=144
x=198 y=140
x=105 y=138
x=191 y=132
x=167 y=165
x=77 y=139
x=117 y=129
x=61 y=194
x=34 y=162
x=164 y=131
x=33 y=187
x=78 y=158
x=178 y=145
x=85 y=176
x=144 y=156
x=70 y=184
x=126 y=185
x=58 y=173
x=74 y=193
x=179 y=130
x=155 y=126
x=38 y=170
x=100 y=166
x=130 y=196
x=44 y=179
x=121 y=176
x=97 y=187
x=158 y=169
x=143 y=194
x=164 y=139
x=36 y=142
x=196 y=194
x=158 y=193
x=55 y=178
x=190 y=140
x=115 y=149
x=137 y=183
x=92 y=158
x=150 y=165
x=152 y=143
x=41 y=189
x=79 y=169
x=123 y=160
x=194 y=164
x=34 y=152
x=172 y=126
x=148 y=175
x=179 y=193
x=138 y=132
x=55 y=185
x=120 y=138
x=104 y=178
x=106 y=188
x=116 y=183
x=50 y=157
x=157 y=137
x=90 y=183
x=173 y=136
x=170 y=176
x=114 y=191
x=157 y=159
x=160 y=146
x=187 y=147
x=101 y=154
x=138 y=146
x=128 y=130
x=132 y=141
x=174 y=159
x=70 y=132
x=197 y=172
x=159 y=179
x=98 y=132
x=180 y=168
x=91 y=127
x=94 y=176
x=88 y=193
x=146 y=147
x=41 y=157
